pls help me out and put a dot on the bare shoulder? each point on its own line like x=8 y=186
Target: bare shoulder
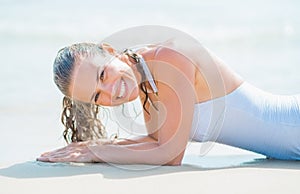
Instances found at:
x=164 y=62
x=214 y=78
x=174 y=75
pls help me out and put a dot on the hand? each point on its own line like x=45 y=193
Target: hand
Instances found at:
x=74 y=152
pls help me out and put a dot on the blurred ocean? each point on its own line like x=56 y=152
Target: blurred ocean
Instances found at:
x=258 y=39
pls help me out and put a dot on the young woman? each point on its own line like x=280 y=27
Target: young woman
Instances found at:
x=187 y=94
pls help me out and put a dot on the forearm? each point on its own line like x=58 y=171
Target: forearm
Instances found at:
x=148 y=151
x=140 y=153
x=134 y=140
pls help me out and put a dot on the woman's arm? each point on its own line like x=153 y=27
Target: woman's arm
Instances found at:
x=134 y=140
x=172 y=122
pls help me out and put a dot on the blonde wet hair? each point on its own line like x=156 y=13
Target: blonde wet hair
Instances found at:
x=79 y=118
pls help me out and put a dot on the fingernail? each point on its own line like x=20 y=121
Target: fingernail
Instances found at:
x=42 y=159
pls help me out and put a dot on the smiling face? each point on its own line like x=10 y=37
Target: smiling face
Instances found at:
x=103 y=81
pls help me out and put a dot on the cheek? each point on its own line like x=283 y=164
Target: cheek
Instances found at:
x=134 y=94
x=133 y=86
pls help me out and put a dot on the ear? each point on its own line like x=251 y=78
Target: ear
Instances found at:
x=108 y=48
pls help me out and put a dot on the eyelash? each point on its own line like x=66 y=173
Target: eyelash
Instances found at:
x=97 y=96
x=102 y=75
x=101 y=78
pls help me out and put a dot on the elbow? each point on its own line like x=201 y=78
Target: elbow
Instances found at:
x=170 y=156
x=173 y=163
x=177 y=161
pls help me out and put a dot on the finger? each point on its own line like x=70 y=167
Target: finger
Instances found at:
x=58 y=160
x=43 y=159
x=73 y=157
x=45 y=154
x=50 y=154
x=68 y=158
x=61 y=151
x=54 y=159
x=74 y=153
x=54 y=151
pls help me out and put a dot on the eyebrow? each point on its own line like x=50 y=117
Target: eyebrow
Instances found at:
x=97 y=79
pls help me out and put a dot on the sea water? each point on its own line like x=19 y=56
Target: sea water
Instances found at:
x=258 y=39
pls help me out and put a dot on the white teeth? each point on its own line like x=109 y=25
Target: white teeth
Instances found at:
x=122 y=89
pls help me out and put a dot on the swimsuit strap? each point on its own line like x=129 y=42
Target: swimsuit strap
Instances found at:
x=143 y=67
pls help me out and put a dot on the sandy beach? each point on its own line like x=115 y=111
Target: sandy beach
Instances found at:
x=258 y=39
x=237 y=171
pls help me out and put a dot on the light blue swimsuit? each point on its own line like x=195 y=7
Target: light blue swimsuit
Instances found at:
x=251 y=119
